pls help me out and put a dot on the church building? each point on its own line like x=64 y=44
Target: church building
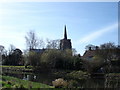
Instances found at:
x=65 y=43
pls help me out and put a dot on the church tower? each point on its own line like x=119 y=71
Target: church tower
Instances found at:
x=65 y=43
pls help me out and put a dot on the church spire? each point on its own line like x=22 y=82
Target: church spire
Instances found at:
x=65 y=33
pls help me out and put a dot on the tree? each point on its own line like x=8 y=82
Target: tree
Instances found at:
x=1 y=49
x=109 y=45
x=2 y=52
x=26 y=57
x=33 y=42
x=34 y=58
x=93 y=65
x=41 y=43
x=106 y=51
x=105 y=55
x=53 y=44
x=17 y=57
x=51 y=57
x=74 y=52
x=5 y=56
x=14 y=57
x=11 y=49
x=90 y=47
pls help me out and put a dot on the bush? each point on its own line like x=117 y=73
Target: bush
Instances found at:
x=78 y=75
x=72 y=84
x=59 y=83
x=34 y=58
x=55 y=59
x=50 y=57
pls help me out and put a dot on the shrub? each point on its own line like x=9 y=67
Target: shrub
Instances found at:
x=59 y=83
x=78 y=75
x=72 y=84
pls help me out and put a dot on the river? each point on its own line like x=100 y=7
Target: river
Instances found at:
x=107 y=82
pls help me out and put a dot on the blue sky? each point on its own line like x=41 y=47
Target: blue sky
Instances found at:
x=87 y=22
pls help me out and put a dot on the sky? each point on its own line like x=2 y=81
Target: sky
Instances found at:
x=87 y=22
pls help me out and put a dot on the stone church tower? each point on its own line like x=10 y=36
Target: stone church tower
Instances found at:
x=65 y=43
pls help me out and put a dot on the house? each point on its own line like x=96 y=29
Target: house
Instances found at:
x=89 y=54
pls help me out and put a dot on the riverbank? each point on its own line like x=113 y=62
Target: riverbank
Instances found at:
x=45 y=77
x=74 y=79
x=59 y=73
x=17 y=68
x=12 y=82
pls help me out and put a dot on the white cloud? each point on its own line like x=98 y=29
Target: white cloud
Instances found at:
x=98 y=33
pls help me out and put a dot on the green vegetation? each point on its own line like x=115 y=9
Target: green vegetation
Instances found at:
x=11 y=82
x=105 y=58
x=12 y=66
x=17 y=68
x=78 y=75
x=113 y=74
x=55 y=59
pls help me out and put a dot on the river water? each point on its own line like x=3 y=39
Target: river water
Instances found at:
x=107 y=82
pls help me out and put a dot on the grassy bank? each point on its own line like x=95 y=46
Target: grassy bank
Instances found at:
x=12 y=82
x=17 y=68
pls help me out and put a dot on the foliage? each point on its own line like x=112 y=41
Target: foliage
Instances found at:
x=34 y=58
x=60 y=59
x=104 y=55
x=108 y=52
x=54 y=58
x=78 y=75
x=93 y=65
x=14 y=58
x=73 y=84
x=60 y=83
x=2 y=54
x=51 y=57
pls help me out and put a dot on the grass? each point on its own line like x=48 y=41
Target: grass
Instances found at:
x=12 y=82
x=11 y=66
x=17 y=68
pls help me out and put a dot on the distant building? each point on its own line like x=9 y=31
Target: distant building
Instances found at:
x=89 y=54
x=65 y=43
x=38 y=50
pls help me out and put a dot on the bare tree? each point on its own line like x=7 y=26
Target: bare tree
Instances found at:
x=1 y=52
x=11 y=49
x=31 y=40
x=41 y=43
x=53 y=44
x=74 y=52
x=107 y=51
x=90 y=47
x=1 y=49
